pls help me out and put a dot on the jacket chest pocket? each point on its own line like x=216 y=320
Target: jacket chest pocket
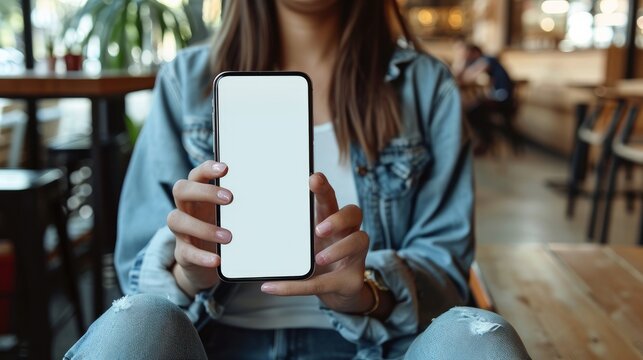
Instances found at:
x=400 y=166
x=197 y=138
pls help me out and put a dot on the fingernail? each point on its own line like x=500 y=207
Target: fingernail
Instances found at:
x=324 y=228
x=268 y=288
x=223 y=235
x=320 y=258
x=208 y=259
x=218 y=167
x=224 y=195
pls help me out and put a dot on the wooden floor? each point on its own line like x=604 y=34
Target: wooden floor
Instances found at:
x=515 y=205
x=569 y=301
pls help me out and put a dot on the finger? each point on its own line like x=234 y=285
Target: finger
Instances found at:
x=344 y=221
x=325 y=200
x=322 y=284
x=353 y=245
x=189 y=190
x=207 y=171
x=182 y=223
x=188 y=255
x=348 y=282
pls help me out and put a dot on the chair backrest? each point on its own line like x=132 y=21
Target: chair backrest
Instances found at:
x=12 y=135
x=637 y=128
x=633 y=122
x=631 y=91
x=603 y=120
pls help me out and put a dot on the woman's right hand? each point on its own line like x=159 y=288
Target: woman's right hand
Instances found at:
x=193 y=224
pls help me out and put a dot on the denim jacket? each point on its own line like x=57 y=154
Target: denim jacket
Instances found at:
x=417 y=198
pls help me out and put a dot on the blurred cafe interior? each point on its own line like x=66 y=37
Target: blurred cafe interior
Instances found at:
x=551 y=93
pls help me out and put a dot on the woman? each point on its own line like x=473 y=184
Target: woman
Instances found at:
x=393 y=116
x=471 y=66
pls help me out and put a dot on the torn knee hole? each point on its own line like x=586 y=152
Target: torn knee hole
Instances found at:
x=122 y=304
x=477 y=323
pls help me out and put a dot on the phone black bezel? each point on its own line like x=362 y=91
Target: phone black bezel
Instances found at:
x=215 y=124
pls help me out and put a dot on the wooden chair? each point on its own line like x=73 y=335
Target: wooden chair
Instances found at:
x=598 y=131
x=501 y=119
x=627 y=147
x=508 y=117
x=481 y=296
x=29 y=201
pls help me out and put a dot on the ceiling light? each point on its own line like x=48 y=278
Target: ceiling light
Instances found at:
x=547 y=24
x=555 y=6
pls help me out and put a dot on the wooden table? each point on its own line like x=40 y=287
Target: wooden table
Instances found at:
x=38 y=85
x=569 y=301
x=107 y=92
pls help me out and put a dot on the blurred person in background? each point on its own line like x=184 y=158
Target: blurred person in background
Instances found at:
x=475 y=71
x=384 y=269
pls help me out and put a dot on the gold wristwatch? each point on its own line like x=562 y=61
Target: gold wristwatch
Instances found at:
x=373 y=279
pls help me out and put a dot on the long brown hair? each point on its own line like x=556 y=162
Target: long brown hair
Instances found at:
x=364 y=107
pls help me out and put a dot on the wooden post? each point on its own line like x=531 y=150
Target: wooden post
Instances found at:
x=33 y=135
x=630 y=58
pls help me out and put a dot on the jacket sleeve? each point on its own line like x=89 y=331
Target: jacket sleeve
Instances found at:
x=145 y=246
x=428 y=273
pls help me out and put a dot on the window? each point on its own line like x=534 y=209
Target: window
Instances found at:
x=568 y=24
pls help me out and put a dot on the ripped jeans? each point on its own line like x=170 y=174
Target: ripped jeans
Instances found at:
x=151 y=327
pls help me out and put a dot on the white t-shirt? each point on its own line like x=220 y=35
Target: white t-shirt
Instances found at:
x=251 y=308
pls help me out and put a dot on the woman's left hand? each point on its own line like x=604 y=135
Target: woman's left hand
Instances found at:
x=340 y=255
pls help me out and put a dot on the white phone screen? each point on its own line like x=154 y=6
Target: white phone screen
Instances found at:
x=262 y=123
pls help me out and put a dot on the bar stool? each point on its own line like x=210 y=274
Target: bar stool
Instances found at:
x=625 y=149
x=597 y=130
x=29 y=201
x=578 y=163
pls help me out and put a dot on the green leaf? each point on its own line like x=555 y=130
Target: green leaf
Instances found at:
x=107 y=19
x=138 y=23
x=117 y=31
x=123 y=22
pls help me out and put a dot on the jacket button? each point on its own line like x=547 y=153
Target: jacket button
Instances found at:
x=361 y=170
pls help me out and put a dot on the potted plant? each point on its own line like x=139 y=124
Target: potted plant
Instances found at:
x=51 y=56
x=74 y=58
x=129 y=30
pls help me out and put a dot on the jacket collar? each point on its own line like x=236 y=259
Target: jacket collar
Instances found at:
x=403 y=55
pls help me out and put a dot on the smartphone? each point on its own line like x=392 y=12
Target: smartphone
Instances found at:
x=263 y=131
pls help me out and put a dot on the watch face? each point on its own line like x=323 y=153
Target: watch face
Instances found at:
x=376 y=278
